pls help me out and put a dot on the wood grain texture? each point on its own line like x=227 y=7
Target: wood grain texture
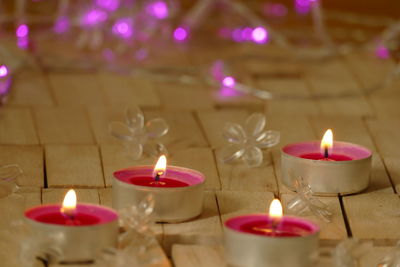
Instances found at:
x=385 y=133
x=17 y=127
x=76 y=89
x=56 y=195
x=205 y=229
x=29 y=158
x=239 y=177
x=30 y=88
x=77 y=166
x=63 y=126
x=374 y=217
x=121 y=90
x=393 y=167
x=178 y=96
x=198 y=255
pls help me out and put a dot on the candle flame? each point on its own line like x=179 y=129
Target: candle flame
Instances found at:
x=327 y=141
x=69 y=204
x=161 y=166
x=275 y=209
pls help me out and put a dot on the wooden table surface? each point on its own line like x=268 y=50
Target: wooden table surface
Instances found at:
x=55 y=126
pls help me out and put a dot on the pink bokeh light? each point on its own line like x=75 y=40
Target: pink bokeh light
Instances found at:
x=158 y=9
x=110 y=5
x=61 y=25
x=22 y=31
x=3 y=71
x=229 y=81
x=94 y=17
x=382 y=52
x=181 y=34
x=123 y=28
x=259 y=35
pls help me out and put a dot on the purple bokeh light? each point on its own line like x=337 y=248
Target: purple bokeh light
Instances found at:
x=61 y=25
x=110 y=5
x=259 y=35
x=158 y=9
x=123 y=28
x=382 y=52
x=3 y=71
x=303 y=6
x=275 y=10
x=22 y=31
x=229 y=81
x=94 y=17
x=181 y=34
x=237 y=35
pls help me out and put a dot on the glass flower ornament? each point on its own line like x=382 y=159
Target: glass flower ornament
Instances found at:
x=139 y=136
x=246 y=142
x=392 y=259
x=304 y=202
x=137 y=245
x=349 y=252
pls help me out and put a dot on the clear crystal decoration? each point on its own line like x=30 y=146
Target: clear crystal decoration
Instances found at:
x=137 y=245
x=304 y=202
x=246 y=142
x=8 y=179
x=139 y=136
x=348 y=252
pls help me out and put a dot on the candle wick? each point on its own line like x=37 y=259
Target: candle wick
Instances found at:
x=157 y=177
x=326 y=153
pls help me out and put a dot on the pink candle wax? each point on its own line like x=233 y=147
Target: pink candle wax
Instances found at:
x=86 y=215
x=341 y=151
x=173 y=177
x=261 y=225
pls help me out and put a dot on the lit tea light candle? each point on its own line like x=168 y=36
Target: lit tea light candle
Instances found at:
x=329 y=167
x=265 y=240
x=86 y=229
x=178 y=192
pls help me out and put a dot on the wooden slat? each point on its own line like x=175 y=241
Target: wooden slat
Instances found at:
x=387 y=106
x=233 y=203
x=213 y=123
x=56 y=195
x=73 y=166
x=239 y=177
x=393 y=167
x=127 y=91
x=184 y=131
x=76 y=89
x=30 y=89
x=374 y=216
x=178 y=96
x=298 y=96
x=63 y=126
x=29 y=159
x=368 y=68
x=206 y=229
x=17 y=127
x=386 y=135
x=331 y=232
x=197 y=255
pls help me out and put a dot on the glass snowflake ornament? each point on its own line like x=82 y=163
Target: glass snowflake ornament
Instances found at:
x=246 y=142
x=139 y=136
